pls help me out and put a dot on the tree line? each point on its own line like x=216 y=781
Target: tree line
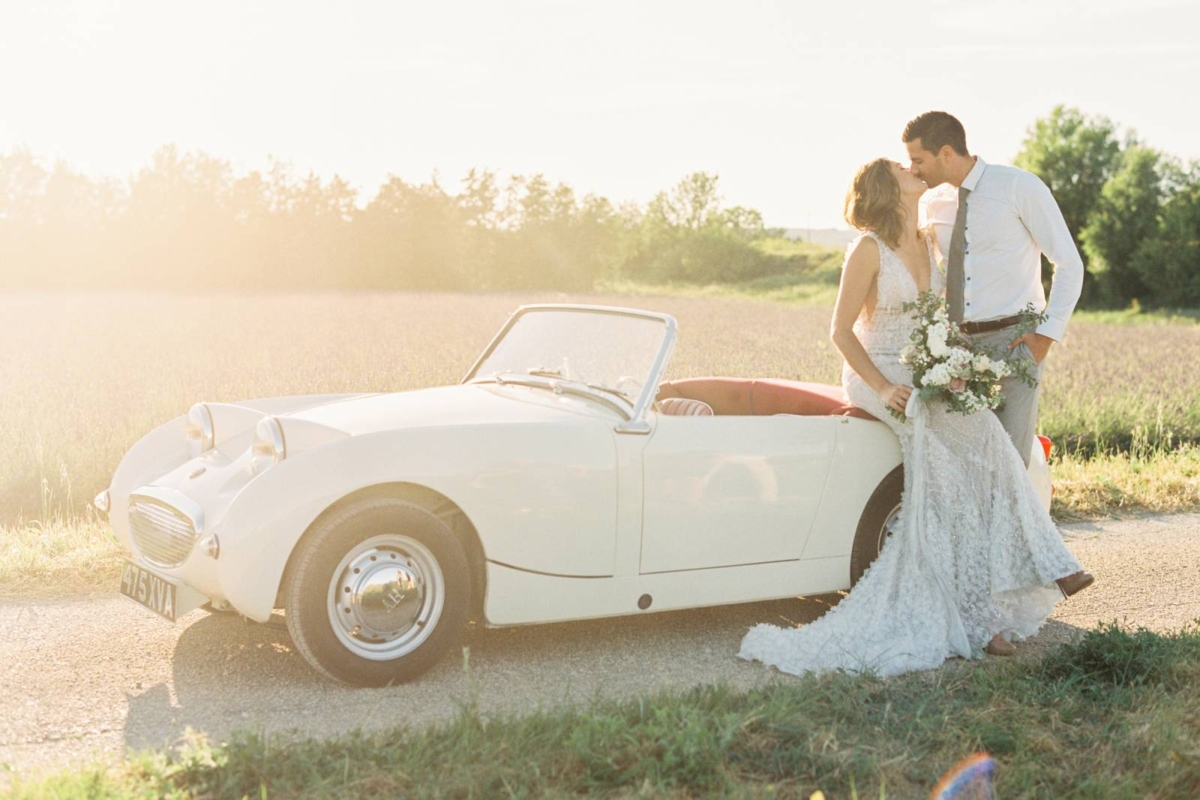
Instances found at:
x=1134 y=211
x=187 y=222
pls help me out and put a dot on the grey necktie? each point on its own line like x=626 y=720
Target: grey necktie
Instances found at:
x=955 y=258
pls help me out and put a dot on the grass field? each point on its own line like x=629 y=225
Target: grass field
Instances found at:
x=1112 y=715
x=85 y=376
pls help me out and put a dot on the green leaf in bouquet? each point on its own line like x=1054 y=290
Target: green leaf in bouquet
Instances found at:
x=1029 y=319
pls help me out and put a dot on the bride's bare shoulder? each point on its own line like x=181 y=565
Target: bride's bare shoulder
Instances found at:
x=863 y=254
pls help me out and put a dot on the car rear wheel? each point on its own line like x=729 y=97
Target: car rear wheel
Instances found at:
x=877 y=523
x=377 y=592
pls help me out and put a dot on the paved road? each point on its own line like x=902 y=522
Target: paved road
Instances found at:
x=86 y=678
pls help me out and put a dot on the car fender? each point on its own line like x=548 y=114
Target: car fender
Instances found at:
x=164 y=449
x=158 y=452
x=542 y=498
x=865 y=452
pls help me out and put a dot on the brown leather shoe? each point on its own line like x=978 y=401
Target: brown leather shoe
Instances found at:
x=999 y=646
x=1073 y=584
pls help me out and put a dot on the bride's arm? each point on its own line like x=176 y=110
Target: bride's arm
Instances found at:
x=858 y=277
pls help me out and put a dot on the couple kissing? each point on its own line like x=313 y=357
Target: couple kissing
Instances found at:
x=975 y=562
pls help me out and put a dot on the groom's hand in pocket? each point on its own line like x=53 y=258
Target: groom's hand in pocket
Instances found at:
x=1039 y=346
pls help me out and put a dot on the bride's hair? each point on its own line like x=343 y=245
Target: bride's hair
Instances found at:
x=873 y=202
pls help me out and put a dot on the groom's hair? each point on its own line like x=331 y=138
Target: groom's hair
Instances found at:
x=936 y=129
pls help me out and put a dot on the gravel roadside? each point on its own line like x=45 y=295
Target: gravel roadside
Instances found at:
x=86 y=678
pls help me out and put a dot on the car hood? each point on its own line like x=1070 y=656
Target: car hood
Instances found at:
x=464 y=404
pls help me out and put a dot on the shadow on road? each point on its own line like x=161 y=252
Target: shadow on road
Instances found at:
x=228 y=672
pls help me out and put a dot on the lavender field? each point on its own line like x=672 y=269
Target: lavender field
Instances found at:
x=84 y=376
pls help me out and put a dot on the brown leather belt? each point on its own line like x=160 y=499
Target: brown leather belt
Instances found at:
x=990 y=325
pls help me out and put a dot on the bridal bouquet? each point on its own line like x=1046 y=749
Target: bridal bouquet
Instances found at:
x=947 y=366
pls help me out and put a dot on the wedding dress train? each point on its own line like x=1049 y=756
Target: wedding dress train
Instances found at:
x=983 y=562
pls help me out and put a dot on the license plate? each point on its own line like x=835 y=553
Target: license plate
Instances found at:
x=150 y=590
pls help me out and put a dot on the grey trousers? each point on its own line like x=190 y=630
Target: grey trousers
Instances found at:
x=1019 y=415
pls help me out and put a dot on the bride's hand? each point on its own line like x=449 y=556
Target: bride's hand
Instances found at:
x=895 y=396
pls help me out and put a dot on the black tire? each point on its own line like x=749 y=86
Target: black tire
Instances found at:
x=409 y=530
x=869 y=537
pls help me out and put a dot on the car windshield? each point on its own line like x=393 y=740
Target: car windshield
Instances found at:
x=601 y=348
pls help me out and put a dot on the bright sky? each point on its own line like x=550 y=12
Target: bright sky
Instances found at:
x=782 y=100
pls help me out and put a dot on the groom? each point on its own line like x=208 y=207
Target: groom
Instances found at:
x=992 y=224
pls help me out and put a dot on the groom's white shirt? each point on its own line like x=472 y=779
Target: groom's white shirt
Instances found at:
x=1011 y=220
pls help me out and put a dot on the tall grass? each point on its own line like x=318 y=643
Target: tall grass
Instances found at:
x=1145 y=479
x=85 y=375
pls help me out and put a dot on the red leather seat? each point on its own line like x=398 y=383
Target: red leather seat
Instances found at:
x=684 y=407
x=749 y=397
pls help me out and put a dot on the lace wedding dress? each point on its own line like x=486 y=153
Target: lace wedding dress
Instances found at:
x=985 y=559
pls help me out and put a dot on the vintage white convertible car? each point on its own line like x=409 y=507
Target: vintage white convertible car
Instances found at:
x=559 y=480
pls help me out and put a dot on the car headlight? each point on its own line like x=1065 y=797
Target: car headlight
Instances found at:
x=269 y=446
x=199 y=430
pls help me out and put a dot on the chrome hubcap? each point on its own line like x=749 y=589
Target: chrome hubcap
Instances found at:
x=385 y=597
x=890 y=526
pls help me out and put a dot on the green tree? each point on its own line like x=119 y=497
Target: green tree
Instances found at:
x=409 y=238
x=1074 y=155
x=1125 y=217
x=686 y=235
x=600 y=234
x=480 y=218
x=693 y=203
x=744 y=223
x=1169 y=262
x=56 y=226
x=538 y=247
x=22 y=184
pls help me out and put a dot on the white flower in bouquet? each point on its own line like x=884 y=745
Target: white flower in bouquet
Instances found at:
x=936 y=337
x=938 y=375
x=958 y=358
x=985 y=363
x=949 y=368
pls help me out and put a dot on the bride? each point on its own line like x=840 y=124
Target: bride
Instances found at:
x=981 y=570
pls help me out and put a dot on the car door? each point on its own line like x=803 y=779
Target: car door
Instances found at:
x=727 y=490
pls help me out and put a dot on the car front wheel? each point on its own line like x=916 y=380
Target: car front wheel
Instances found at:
x=377 y=592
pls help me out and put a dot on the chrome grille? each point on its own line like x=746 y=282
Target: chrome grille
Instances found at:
x=163 y=535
